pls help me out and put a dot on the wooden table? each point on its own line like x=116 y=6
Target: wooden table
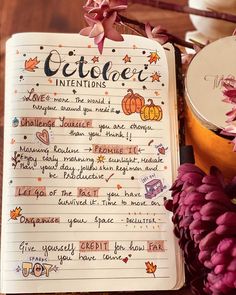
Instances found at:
x=66 y=16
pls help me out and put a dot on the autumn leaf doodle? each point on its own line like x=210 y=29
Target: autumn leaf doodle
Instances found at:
x=14 y=214
x=153 y=57
x=151 y=268
x=31 y=64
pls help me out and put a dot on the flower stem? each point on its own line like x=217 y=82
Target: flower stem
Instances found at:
x=186 y=9
x=131 y=28
x=125 y=19
x=173 y=39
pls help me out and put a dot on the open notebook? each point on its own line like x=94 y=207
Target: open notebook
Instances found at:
x=90 y=152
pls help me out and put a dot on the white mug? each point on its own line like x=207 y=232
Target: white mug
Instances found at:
x=211 y=28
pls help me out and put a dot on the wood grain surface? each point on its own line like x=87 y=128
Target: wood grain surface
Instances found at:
x=66 y=16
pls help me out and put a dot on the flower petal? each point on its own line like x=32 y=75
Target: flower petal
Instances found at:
x=148 y=30
x=114 y=35
x=90 y=20
x=99 y=38
x=109 y=22
x=85 y=31
x=101 y=45
x=97 y=30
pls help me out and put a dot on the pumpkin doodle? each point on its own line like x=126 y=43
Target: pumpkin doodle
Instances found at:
x=151 y=112
x=132 y=103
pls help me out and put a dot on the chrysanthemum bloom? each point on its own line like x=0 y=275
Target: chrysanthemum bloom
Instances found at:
x=204 y=215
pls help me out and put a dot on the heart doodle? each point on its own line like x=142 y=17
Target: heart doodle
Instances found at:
x=119 y=186
x=43 y=136
x=125 y=260
x=162 y=150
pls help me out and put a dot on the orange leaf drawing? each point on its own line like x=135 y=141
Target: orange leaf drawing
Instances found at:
x=14 y=214
x=31 y=64
x=151 y=268
x=154 y=57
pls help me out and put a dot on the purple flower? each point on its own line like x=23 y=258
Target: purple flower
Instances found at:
x=204 y=216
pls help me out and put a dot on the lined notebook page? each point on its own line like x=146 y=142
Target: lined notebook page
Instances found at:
x=90 y=152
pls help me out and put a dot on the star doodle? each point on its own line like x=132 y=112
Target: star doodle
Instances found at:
x=155 y=77
x=95 y=59
x=154 y=57
x=127 y=58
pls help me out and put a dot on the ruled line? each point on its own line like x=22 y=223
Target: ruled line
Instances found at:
x=81 y=47
x=48 y=204
x=81 y=279
x=76 y=241
x=97 y=64
x=97 y=268
x=85 y=231
x=84 y=94
x=88 y=222
x=107 y=88
x=85 y=252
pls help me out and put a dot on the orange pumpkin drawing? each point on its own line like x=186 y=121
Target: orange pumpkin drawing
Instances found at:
x=132 y=103
x=151 y=112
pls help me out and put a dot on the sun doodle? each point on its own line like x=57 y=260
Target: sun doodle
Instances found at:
x=101 y=159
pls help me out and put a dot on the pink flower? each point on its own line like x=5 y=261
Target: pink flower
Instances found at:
x=101 y=17
x=231 y=115
x=157 y=33
x=99 y=30
x=187 y=57
x=230 y=90
x=230 y=97
x=103 y=7
x=234 y=143
x=230 y=130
